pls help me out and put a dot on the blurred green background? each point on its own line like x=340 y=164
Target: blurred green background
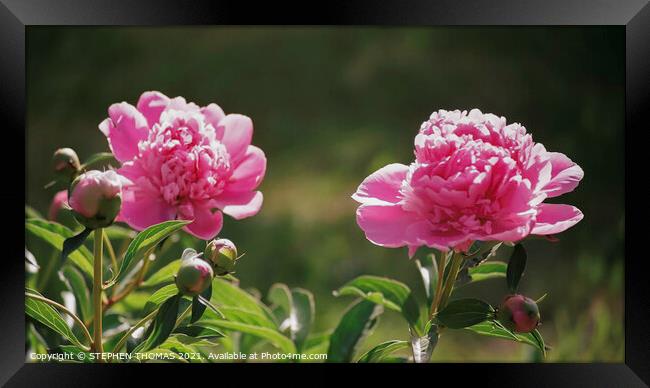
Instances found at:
x=330 y=106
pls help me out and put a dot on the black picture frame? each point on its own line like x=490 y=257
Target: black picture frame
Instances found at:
x=17 y=15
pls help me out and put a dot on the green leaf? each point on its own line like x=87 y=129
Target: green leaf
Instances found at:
x=97 y=158
x=494 y=329
x=539 y=341
x=54 y=234
x=227 y=295
x=488 y=270
x=274 y=337
x=198 y=307
x=144 y=241
x=428 y=268
x=516 y=267
x=279 y=297
x=160 y=296
x=199 y=331
x=162 y=326
x=30 y=212
x=76 y=283
x=355 y=325
x=237 y=314
x=317 y=343
x=302 y=316
x=461 y=313
x=387 y=292
x=163 y=275
x=73 y=243
x=383 y=350
x=48 y=316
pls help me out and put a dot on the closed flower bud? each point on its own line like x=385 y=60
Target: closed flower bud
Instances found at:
x=66 y=164
x=95 y=198
x=519 y=314
x=194 y=276
x=222 y=254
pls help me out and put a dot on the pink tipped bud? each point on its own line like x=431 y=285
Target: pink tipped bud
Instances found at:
x=66 y=163
x=59 y=202
x=95 y=198
x=222 y=254
x=519 y=314
x=194 y=276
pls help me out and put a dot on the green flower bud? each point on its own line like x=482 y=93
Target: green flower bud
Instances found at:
x=66 y=164
x=194 y=276
x=222 y=254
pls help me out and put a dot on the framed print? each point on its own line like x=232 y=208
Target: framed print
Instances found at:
x=436 y=190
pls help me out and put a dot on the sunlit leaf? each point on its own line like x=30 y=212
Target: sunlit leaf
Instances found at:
x=76 y=283
x=493 y=329
x=272 y=336
x=302 y=315
x=383 y=350
x=48 y=316
x=159 y=297
x=162 y=325
x=355 y=325
x=466 y=312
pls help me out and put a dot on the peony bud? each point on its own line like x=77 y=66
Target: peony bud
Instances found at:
x=519 y=313
x=59 y=202
x=222 y=253
x=66 y=163
x=194 y=276
x=95 y=198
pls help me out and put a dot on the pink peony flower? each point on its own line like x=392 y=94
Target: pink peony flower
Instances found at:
x=184 y=162
x=473 y=178
x=59 y=201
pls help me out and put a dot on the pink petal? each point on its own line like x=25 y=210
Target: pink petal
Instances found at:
x=552 y=218
x=213 y=115
x=206 y=224
x=152 y=104
x=124 y=128
x=240 y=205
x=565 y=175
x=237 y=134
x=382 y=186
x=141 y=210
x=390 y=226
x=250 y=171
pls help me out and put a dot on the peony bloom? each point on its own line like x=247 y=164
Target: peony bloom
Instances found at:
x=184 y=162
x=474 y=178
x=60 y=201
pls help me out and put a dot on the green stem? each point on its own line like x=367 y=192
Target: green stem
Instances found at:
x=456 y=261
x=133 y=328
x=111 y=252
x=442 y=262
x=97 y=292
x=65 y=310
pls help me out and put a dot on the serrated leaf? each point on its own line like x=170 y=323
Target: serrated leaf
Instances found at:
x=355 y=325
x=48 y=316
x=144 y=241
x=389 y=293
x=162 y=325
x=76 y=283
x=55 y=234
x=272 y=336
x=466 y=312
x=383 y=350
x=516 y=267
x=302 y=315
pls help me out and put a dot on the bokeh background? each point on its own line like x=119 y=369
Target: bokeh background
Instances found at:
x=330 y=106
